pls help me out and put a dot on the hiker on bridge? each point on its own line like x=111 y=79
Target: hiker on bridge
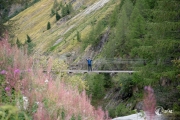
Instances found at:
x=89 y=61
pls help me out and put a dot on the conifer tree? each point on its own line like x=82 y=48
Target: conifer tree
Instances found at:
x=166 y=17
x=48 y=26
x=119 y=39
x=113 y=17
x=162 y=41
x=28 y=39
x=128 y=6
x=121 y=43
x=57 y=16
x=137 y=25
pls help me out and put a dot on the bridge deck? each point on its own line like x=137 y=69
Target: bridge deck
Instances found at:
x=96 y=71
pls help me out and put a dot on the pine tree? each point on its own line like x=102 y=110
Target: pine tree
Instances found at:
x=161 y=43
x=138 y=29
x=165 y=30
x=137 y=25
x=128 y=6
x=28 y=39
x=48 y=26
x=57 y=16
x=121 y=41
x=113 y=17
x=118 y=43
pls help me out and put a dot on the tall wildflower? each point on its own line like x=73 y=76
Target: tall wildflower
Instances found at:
x=54 y=99
x=149 y=102
x=3 y=72
x=13 y=62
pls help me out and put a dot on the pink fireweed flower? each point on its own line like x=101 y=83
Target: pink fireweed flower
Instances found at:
x=149 y=102
x=16 y=71
x=7 y=89
x=3 y=72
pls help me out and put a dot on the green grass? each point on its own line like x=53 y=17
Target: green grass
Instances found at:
x=33 y=21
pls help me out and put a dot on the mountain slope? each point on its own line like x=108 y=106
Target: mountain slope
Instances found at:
x=62 y=35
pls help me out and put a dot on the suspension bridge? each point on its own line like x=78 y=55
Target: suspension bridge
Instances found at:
x=106 y=66
x=98 y=71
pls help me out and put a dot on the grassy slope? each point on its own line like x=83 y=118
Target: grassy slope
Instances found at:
x=33 y=21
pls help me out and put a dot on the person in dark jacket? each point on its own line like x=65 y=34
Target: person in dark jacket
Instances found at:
x=89 y=61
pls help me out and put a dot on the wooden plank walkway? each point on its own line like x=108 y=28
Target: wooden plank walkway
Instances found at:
x=96 y=71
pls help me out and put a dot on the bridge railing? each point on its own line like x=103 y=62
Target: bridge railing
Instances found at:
x=108 y=65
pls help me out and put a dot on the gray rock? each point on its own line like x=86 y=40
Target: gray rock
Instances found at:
x=139 y=106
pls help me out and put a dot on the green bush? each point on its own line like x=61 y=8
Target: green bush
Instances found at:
x=8 y=112
x=176 y=107
x=125 y=82
x=96 y=84
x=120 y=110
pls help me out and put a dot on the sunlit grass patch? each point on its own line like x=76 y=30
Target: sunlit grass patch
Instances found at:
x=33 y=22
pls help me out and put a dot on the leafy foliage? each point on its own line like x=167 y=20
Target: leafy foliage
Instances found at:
x=120 y=110
x=124 y=81
x=96 y=86
x=8 y=112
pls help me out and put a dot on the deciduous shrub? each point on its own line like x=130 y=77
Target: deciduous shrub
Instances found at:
x=96 y=85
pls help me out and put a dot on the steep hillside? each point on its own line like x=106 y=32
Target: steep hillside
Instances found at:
x=62 y=35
